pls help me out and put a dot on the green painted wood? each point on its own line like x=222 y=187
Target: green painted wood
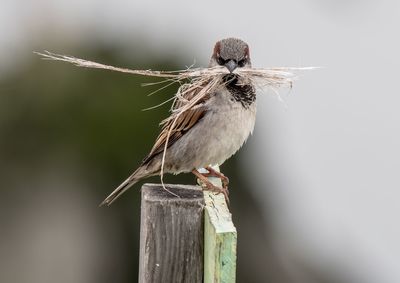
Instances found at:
x=220 y=239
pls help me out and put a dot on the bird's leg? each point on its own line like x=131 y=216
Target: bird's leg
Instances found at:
x=210 y=186
x=215 y=173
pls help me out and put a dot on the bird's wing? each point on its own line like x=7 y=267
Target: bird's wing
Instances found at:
x=185 y=121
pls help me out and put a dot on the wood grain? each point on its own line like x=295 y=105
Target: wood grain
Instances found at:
x=171 y=234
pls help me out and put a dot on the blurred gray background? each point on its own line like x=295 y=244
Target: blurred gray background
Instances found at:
x=315 y=191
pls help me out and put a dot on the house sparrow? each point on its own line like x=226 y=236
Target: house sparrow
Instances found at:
x=208 y=133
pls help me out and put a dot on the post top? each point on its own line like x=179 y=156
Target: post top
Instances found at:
x=156 y=192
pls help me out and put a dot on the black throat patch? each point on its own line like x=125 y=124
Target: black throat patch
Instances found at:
x=245 y=94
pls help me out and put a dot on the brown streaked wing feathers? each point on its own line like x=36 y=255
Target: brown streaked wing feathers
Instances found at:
x=183 y=124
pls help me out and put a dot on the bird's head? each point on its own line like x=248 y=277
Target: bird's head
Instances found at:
x=232 y=53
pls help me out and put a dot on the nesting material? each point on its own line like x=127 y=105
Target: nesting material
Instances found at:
x=197 y=83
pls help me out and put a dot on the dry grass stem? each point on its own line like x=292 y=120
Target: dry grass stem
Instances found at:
x=196 y=84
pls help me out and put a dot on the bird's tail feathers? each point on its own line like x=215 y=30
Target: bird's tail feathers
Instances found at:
x=133 y=179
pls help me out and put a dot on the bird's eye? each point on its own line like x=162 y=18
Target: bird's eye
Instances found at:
x=242 y=62
x=221 y=61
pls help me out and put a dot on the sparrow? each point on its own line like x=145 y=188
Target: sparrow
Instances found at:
x=208 y=133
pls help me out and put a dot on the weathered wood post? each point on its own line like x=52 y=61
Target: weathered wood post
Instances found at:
x=171 y=234
x=186 y=239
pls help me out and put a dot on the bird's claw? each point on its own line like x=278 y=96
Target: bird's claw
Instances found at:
x=215 y=189
x=221 y=176
x=207 y=185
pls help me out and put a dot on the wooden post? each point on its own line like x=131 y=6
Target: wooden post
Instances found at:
x=172 y=240
x=171 y=234
x=220 y=239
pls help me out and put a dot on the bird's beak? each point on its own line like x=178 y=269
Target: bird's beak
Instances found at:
x=231 y=65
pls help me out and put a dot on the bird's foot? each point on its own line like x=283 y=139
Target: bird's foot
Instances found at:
x=207 y=185
x=215 y=173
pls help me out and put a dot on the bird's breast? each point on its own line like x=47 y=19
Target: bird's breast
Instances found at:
x=230 y=124
x=223 y=129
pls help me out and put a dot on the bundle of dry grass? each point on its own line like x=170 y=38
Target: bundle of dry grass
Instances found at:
x=196 y=83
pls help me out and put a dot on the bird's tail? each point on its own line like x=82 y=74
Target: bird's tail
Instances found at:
x=133 y=179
